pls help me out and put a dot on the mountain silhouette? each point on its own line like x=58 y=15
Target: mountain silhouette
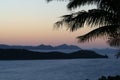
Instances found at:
x=48 y=47
x=65 y=46
x=40 y=47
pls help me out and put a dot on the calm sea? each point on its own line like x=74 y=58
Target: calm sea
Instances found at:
x=75 y=69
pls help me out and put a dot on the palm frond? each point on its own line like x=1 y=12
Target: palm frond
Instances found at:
x=78 y=3
x=107 y=5
x=102 y=31
x=111 y=5
x=73 y=21
x=114 y=40
x=93 y=17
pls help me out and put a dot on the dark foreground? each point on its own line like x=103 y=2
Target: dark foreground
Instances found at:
x=21 y=54
x=110 y=78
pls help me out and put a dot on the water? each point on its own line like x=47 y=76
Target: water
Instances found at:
x=76 y=69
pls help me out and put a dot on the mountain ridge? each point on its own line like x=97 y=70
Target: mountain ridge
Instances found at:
x=40 y=47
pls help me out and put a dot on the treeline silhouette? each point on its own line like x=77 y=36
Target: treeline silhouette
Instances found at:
x=22 y=54
x=110 y=78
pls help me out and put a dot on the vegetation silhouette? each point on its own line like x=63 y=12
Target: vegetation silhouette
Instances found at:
x=105 y=18
x=22 y=54
x=115 y=42
x=110 y=78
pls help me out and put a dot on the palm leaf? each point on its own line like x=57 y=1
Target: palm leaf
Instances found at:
x=111 y=5
x=102 y=31
x=93 y=17
x=78 y=3
x=114 y=40
x=107 y=5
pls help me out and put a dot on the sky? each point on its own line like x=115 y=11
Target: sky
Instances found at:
x=30 y=22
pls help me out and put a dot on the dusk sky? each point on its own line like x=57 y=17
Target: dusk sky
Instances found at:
x=30 y=22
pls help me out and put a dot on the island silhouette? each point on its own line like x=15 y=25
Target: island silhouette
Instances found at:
x=22 y=54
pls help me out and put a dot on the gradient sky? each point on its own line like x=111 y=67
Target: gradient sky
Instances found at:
x=30 y=22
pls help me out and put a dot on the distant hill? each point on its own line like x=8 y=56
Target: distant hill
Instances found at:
x=65 y=46
x=3 y=46
x=22 y=54
x=41 y=47
x=107 y=51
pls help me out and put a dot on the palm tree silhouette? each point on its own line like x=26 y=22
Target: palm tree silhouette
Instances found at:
x=106 y=19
